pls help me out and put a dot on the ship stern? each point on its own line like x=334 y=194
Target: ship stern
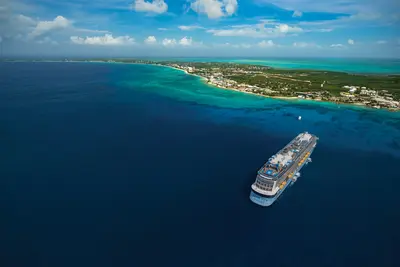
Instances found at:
x=261 y=200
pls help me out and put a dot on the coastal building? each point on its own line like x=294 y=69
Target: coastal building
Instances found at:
x=386 y=103
x=368 y=92
x=347 y=94
x=351 y=88
x=285 y=84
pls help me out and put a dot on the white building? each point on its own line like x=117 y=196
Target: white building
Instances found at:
x=353 y=89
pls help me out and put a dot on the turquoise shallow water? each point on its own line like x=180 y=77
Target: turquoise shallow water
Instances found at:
x=357 y=127
x=371 y=66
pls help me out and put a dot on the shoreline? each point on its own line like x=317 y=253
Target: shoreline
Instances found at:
x=284 y=98
x=205 y=81
x=188 y=73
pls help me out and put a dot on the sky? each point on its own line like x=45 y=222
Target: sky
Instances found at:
x=201 y=28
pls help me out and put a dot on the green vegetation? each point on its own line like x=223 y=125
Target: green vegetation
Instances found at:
x=371 y=90
x=296 y=80
x=311 y=81
x=378 y=91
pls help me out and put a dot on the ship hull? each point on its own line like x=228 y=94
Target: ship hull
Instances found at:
x=266 y=201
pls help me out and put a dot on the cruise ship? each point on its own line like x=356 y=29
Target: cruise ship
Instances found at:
x=282 y=169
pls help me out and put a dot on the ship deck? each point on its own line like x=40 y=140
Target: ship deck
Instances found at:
x=287 y=159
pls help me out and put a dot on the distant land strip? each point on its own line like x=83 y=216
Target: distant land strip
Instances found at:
x=375 y=91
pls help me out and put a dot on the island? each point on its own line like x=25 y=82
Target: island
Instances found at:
x=375 y=91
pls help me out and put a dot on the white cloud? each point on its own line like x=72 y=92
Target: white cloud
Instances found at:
x=169 y=42
x=186 y=41
x=305 y=45
x=350 y=42
x=321 y=30
x=365 y=16
x=24 y=28
x=12 y=25
x=297 y=14
x=19 y=27
x=246 y=46
x=47 y=40
x=336 y=45
x=264 y=43
x=90 y=31
x=237 y=45
x=105 y=40
x=183 y=42
x=257 y=31
x=189 y=28
x=215 y=9
x=244 y=32
x=230 y=6
x=150 y=40
x=46 y=26
x=381 y=42
x=352 y=21
x=155 y=6
x=162 y=29
x=21 y=19
x=284 y=28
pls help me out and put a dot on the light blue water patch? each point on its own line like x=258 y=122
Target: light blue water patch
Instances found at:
x=371 y=66
x=347 y=126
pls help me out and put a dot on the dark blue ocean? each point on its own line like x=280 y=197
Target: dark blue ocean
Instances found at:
x=132 y=165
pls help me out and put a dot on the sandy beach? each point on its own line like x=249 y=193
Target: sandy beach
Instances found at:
x=285 y=98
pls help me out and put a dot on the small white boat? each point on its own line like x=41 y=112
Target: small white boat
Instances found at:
x=299 y=118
